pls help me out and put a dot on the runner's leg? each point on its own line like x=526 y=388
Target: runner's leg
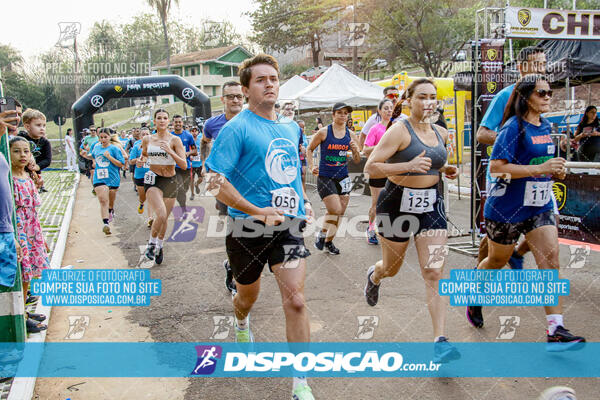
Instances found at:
x=290 y=279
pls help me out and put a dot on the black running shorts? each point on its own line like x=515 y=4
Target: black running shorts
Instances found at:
x=398 y=226
x=138 y=181
x=328 y=186
x=250 y=245
x=168 y=185
x=508 y=233
x=377 y=182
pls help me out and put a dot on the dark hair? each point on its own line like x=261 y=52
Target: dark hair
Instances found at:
x=526 y=52
x=69 y=130
x=230 y=83
x=382 y=102
x=396 y=113
x=17 y=139
x=246 y=67
x=288 y=103
x=108 y=131
x=518 y=104
x=177 y=116
x=411 y=88
x=584 y=118
x=159 y=111
x=319 y=120
x=388 y=88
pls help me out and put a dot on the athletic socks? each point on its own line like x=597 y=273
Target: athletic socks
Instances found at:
x=554 y=321
x=300 y=380
x=159 y=243
x=105 y=221
x=242 y=323
x=152 y=240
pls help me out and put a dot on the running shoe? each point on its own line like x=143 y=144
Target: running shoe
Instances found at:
x=372 y=237
x=371 y=289
x=302 y=392
x=106 y=229
x=159 y=256
x=320 y=242
x=563 y=340
x=31 y=300
x=515 y=261
x=94 y=192
x=243 y=335
x=229 y=283
x=150 y=221
x=141 y=208
x=474 y=316
x=331 y=248
x=192 y=196
x=444 y=352
x=111 y=216
x=150 y=251
x=558 y=393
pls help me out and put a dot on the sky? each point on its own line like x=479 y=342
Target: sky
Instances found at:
x=37 y=31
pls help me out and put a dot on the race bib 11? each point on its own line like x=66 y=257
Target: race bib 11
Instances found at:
x=537 y=194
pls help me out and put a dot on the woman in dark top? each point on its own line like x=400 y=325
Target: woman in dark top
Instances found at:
x=587 y=135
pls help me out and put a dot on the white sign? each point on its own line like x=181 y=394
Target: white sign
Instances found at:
x=541 y=23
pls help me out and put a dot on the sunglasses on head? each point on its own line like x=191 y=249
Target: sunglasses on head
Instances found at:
x=544 y=93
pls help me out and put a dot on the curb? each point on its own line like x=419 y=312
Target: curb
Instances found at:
x=22 y=388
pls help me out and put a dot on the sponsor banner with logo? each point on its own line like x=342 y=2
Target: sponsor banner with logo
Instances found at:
x=577 y=201
x=541 y=23
x=347 y=359
x=492 y=82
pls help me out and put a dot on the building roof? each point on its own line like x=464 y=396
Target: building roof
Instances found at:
x=199 y=56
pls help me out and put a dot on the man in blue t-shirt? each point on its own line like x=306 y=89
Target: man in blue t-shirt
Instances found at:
x=530 y=60
x=257 y=173
x=233 y=100
x=183 y=175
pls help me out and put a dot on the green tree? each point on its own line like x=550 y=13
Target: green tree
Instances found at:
x=427 y=34
x=163 y=7
x=286 y=24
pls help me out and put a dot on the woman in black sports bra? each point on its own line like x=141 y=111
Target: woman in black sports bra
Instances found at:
x=411 y=155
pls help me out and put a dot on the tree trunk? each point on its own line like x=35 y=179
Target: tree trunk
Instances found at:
x=315 y=49
x=167 y=47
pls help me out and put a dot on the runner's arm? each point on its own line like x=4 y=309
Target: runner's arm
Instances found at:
x=315 y=141
x=486 y=136
x=517 y=171
x=178 y=153
x=355 y=151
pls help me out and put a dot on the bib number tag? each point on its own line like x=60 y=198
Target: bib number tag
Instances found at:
x=346 y=185
x=102 y=173
x=417 y=201
x=146 y=165
x=196 y=158
x=285 y=199
x=149 y=178
x=537 y=194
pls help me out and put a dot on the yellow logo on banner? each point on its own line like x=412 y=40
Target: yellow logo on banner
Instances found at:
x=560 y=193
x=492 y=54
x=489 y=150
x=492 y=86
x=118 y=89
x=524 y=16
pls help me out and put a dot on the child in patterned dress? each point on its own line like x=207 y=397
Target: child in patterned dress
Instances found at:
x=29 y=230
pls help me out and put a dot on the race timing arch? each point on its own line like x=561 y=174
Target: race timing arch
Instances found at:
x=140 y=86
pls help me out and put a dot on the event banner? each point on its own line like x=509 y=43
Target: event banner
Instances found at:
x=540 y=23
x=492 y=81
x=577 y=200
